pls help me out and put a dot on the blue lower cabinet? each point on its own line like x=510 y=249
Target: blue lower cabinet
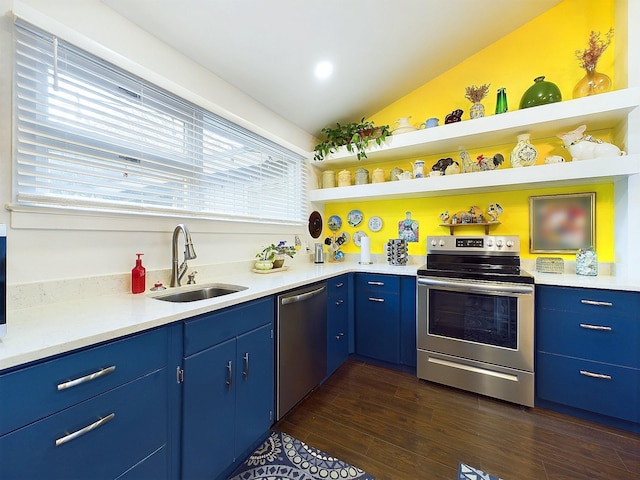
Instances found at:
x=377 y=317
x=408 y=348
x=101 y=438
x=591 y=386
x=587 y=356
x=228 y=389
x=338 y=313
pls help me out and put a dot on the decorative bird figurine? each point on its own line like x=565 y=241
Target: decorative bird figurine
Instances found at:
x=494 y=211
x=444 y=216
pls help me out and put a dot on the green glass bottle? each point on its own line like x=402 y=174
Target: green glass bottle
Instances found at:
x=501 y=102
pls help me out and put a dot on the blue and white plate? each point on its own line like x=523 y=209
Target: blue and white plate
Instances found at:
x=335 y=223
x=354 y=217
x=358 y=236
x=375 y=224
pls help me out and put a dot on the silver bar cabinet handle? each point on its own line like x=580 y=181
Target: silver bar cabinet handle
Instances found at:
x=341 y=284
x=339 y=302
x=376 y=283
x=597 y=303
x=85 y=430
x=86 y=378
x=595 y=375
x=245 y=373
x=230 y=372
x=374 y=299
x=595 y=327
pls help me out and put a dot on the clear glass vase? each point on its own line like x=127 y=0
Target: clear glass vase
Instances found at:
x=592 y=83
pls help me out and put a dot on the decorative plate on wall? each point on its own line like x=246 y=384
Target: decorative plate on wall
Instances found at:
x=375 y=224
x=315 y=224
x=354 y=217
x=358 y=236
x=335 y=223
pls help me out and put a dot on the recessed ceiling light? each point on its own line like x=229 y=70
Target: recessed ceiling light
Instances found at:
x=323 y=69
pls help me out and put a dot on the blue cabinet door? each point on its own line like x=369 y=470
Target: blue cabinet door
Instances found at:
x=254 y=381
x=337 y=322
x=208 y=412
x=408 y=349
x=378 y=317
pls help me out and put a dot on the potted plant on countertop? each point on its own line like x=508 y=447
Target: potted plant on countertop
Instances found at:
x=355 y=136
x=273 y=256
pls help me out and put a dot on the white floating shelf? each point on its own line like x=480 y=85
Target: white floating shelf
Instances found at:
x=604 y=111
x=504 y=179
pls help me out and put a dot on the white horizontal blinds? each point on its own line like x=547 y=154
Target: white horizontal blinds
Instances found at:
x=91 y=135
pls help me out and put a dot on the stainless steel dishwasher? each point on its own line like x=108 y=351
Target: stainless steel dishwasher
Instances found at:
x=301 y=344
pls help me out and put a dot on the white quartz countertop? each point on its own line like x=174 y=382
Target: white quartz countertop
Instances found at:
x=39 y=332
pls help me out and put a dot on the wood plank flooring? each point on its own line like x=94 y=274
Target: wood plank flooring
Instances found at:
x=397 y=427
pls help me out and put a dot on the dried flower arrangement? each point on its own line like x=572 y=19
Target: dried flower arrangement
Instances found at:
x=588 y=58
x=476 y=94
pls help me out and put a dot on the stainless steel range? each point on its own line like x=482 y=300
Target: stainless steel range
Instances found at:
x=475 y=317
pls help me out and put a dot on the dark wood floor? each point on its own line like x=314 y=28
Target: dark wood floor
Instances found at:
x=397 y=427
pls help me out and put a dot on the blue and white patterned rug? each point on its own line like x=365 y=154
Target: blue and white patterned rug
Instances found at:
x=465 y=472
x=282 y=457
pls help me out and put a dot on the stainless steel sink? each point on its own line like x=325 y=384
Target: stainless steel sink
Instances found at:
x=202 y=292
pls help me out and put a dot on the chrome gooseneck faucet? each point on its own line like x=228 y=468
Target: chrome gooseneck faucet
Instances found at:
x=189 y=254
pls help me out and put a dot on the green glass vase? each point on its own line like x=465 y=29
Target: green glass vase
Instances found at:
x=540 y=93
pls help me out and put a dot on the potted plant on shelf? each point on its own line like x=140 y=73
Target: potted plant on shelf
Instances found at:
x=273 y=256
x=355 y=136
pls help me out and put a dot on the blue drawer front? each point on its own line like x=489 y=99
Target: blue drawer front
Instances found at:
x=373 y=282
x=588 y=301
x=606 y=338
x=138 y=429
x=559 y=379
x=212 y=328
x=32 y=393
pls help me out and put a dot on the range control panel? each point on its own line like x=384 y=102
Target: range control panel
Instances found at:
x=483 y=244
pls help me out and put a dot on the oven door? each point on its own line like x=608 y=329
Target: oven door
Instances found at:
x=489 y=322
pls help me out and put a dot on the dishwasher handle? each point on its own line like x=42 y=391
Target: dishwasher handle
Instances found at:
x=302 y=296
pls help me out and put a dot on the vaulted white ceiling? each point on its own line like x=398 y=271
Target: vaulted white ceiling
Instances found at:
x=381 y=50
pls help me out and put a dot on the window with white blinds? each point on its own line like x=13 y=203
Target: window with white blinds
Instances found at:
x=89 y=135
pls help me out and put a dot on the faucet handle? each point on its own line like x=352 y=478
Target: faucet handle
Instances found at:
x=191 y=278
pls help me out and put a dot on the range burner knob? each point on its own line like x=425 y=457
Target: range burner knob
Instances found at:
x=489 y=243
x=509 y=243
x=499 y=243
x=433 y=243
x=442 y=243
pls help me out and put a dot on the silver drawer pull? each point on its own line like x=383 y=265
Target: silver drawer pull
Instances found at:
x=373 y=299
x=339 y=336
x=595 y=327
x=380 y=284
x=338 y=285
x=245 y=372
x=87 y=378
x=87 y=429
x=596 y=303
x=339 y=302
x=230 y=375
x=595 y=375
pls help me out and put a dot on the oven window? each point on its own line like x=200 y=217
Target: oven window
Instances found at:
x=487 y=319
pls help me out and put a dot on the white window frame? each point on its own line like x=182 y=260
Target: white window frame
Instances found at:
x=241 y=176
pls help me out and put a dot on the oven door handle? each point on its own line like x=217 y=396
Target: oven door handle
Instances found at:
x=470 y=287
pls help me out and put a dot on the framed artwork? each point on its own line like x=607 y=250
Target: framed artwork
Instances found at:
x=562 y=223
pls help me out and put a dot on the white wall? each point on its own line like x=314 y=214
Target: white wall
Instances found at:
x=50 y=247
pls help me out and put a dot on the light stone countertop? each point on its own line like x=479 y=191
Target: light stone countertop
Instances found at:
x=41 y=331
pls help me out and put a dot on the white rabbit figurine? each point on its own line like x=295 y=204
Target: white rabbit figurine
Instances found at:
x=586 y=147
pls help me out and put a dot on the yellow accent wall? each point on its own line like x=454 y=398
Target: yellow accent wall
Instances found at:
x=544 y=46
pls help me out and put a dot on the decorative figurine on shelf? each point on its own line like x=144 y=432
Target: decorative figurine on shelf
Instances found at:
x=494 y=211
x=476 y=95
x=593 y=82
x=444 y=217
x=453 y=117
x=452 y=169
x=585 y=147
x=467 y=164
x=490 y=163
x=442 y=164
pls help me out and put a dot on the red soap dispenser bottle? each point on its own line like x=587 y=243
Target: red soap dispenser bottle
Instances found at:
x=138 y=276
